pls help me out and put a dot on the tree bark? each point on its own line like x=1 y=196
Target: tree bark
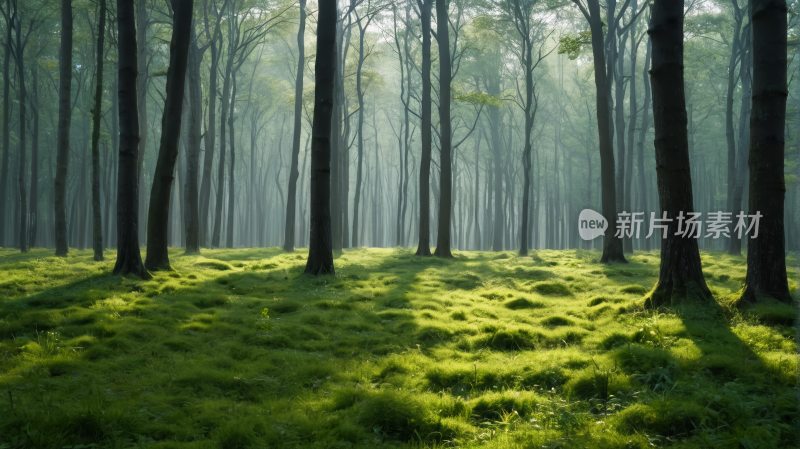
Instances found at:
x=642 y=193
x=64 y=123
x=211 y=134
x=291 y=203
x=766 y=254
x=6 y=113
x=23 y=196
x=97 y=216
x=680 y=275
x=446 y=176
x=158 y=212
x=424 y=245
x=744 y=137
x=129 y=259
x=141 y=89
x=320 y=251
x=738 y=17
x=193 y=148
x=231 y=165
x=34 y=224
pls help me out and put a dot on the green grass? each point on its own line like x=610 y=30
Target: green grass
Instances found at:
x=235 y=349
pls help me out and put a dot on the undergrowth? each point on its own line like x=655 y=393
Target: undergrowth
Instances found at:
x=236 y=348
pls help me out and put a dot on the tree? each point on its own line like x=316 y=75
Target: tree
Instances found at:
x=291 y=196
x=744 y=136
x=446 y=167
x=158 y=212
x=97 y=219
x=612 y=246
x=424 y=245
x=737 y=50
x=10 y=18
x=680 y=274
x=64 y=123
x=766 y=254
x=129 y=259
x=320 y=248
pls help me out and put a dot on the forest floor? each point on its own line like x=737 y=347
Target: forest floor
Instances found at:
x=235 y=348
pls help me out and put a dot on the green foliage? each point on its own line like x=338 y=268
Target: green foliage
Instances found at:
x=573 y=45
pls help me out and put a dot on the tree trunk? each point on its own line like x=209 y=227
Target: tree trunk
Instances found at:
x=424 y=246
x=141 y=89
x=320 y=251
x=231 y=190
x=97 y=216
x=193 y=148
x=620 y=128
x=158 y=212
x=129 y=259
x=642 y=193
x=356 y=239
x=6 y=113
x=34 y=224
x=446 y=177
x=681 y=274
x=226 y=85
x=23 y=197
x=766 y=254
x=744 y=138
x=627 y=244
x=729 y=137
x=291 y=203
x=612 y=247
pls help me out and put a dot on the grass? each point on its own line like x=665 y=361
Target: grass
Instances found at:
x=235 y=349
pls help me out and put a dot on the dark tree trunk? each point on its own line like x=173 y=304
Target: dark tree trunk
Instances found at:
x=34 y=224
x=642 y=193
x=141 y=90
x=129 y=259
x=681 y=274
x=766 y=254
x=231 y=191
x=210 y=141
x=97 y=215
x=729 y=137
x=627 y=244
x=446 y=177
x=193 y=149
x=6 y=113
x=424 y=246
x=619 y=111
x=320 y=251
x=744 y=138
x=356 y=239
x=158 y=212
x=23 y=196
x=226 y=85
x=612 y=247
x=291 y=191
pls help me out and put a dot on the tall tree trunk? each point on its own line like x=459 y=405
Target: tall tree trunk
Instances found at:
x=6 y=111
x=158 y=212
x=766 y=254
x=744 y=137
x=356 y=239
x=627 y=244
x=642 y=193
x=210 y=140
x=320 y=251
x=129 y=259
x=612 y=247
x=97 y=216
x=143 y=24
x=424 y=246
x=231 y=190
x=446 y=177
x=738 y=17
x=23 y=196
x=681 y=274
x=291 y=203
x=193 y=148
x=224 y=107
x=620 y=128
x=34 y=224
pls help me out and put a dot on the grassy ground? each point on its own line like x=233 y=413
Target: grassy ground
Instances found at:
x=236 y=349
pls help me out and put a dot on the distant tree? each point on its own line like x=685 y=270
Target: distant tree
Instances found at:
x=158 y=212
x=291 y=196
x=766 y=254
x=10 y=18
x=320 y=248
x=681 y=273
x=64 y=123
x=129 y=259
x=445 y=136
x=424 y=245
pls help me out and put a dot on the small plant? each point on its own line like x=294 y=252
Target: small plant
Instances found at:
x=263 y=321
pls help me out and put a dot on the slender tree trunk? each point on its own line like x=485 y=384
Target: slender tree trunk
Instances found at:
x=210 y=141
x=6 y=114
x=34 y=224
x=642 y=135
x=141 y=29
x=231 y=191
x=320 y=251
x=356 y=239
x=446 y=177
x=424 y=246
x=744 y=139
x=766 y=254
x=620 y=128
x=158 y=212
x=193 y=148
x=129 y=259
x=291 y=203
x=627 y=244
x=681 y=274
x=224 y=107
x=729 y=132
x=97 y=216
x=23 y=196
